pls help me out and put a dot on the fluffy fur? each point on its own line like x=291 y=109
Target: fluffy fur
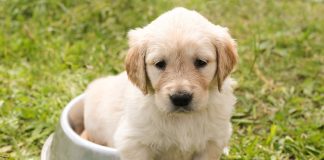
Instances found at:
x=133 y=111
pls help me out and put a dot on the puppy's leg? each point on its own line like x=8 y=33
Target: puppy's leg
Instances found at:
x=211 y=152
x=84 y=135
x=134 y=151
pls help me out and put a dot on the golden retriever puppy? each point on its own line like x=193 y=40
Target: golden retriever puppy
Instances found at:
x=175 y=100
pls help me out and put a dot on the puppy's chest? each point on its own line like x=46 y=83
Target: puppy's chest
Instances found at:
x=187 y=135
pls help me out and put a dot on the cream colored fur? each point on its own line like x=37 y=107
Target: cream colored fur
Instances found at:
x=133 y=112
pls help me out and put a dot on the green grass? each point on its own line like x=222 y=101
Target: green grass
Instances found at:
x=51 y=49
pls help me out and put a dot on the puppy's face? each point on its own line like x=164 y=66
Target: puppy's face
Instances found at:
x=179 y=58
x=180 y=69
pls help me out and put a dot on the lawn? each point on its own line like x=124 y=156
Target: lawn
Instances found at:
x=51 y=49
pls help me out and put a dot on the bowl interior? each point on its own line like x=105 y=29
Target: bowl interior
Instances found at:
x=72 y=124
x=75 y=117
x=67 y=143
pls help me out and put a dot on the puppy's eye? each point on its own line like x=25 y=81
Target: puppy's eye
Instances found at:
x=200 y=63
x=160 y=65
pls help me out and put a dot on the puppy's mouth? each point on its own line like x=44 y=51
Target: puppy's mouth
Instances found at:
x=185 y=109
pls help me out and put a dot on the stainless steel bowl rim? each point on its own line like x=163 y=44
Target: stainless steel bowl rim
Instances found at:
x=74 y=136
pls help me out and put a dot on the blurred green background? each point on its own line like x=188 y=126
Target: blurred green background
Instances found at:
x=51 y=49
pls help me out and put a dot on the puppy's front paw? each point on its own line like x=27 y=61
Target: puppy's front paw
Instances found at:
x=134 y=152
x=211 y=152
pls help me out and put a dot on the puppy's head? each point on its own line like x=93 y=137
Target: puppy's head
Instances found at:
x=179 y=58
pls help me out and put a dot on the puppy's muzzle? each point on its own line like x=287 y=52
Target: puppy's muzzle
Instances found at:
x=181 y=100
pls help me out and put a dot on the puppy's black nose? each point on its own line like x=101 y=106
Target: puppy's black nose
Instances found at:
x=181 y=98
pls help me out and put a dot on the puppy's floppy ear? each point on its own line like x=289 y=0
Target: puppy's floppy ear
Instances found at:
x=226 y=54
x=135 y=60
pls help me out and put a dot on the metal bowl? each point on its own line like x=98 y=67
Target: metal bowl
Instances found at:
x=66 y=143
